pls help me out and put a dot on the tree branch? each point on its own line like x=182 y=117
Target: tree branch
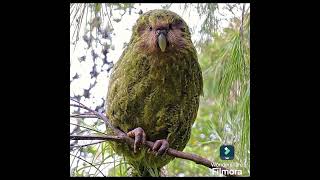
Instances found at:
x=105 y=137
x=90 y=144
x=122 y=137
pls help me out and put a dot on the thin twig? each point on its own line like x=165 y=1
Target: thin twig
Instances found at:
x=82 y=116
x=109 y=18
x=90 y=144
x=74 y=157
x=105 y=119
x=88 y=128
x=105 y=137
x=75 y=14
x=88 y=163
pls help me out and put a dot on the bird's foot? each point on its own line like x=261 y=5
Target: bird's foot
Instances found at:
x=139 y=137
x=160 y=146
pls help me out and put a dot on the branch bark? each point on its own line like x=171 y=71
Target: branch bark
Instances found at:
x=122 y=137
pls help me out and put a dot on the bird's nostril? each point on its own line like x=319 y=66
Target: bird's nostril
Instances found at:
x=161 y=31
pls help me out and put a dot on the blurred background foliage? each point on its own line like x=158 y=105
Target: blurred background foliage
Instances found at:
x=224 y=113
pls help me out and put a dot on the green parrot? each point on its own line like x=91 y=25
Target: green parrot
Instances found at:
x=154 y=90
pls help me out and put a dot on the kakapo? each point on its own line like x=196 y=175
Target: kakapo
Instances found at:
x=154 y=90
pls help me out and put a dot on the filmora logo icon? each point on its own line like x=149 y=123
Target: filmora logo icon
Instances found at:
x=226 y=152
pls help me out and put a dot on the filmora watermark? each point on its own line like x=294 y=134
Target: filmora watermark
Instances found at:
x=219 y=169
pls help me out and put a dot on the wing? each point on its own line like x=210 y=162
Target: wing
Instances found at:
x=127 y=87
x=186 y=112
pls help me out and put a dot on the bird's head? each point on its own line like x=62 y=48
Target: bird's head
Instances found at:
x=161 y=31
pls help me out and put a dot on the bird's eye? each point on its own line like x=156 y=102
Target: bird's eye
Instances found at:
x=179 y=21
x=170 y=26
x=150 y=28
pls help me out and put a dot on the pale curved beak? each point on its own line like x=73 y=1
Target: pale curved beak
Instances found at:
x=162 y=42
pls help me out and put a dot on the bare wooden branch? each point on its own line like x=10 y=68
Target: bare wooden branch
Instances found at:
x=105 y=137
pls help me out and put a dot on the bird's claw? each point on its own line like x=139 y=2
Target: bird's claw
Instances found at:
x=161 y=146
x=139 y=137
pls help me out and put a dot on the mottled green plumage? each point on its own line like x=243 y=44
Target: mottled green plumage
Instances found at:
x=157 y=91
